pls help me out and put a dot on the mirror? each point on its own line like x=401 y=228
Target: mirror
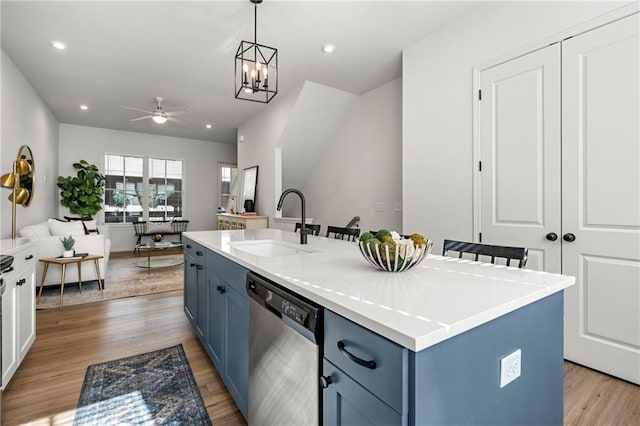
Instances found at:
x=249 y=184
x=27 y=174
x=21 y=180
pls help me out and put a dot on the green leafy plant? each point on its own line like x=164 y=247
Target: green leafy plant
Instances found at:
x=68 y=242
x=82 y=194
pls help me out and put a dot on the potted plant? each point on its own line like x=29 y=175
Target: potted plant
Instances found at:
x=67 y=243
x=82 y=194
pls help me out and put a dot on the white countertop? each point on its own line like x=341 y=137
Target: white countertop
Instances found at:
x=10 y=246
x=437 y=299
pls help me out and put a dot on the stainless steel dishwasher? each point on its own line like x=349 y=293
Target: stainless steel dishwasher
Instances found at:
x=285 y=334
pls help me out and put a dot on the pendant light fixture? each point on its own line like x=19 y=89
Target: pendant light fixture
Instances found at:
x=256 y=68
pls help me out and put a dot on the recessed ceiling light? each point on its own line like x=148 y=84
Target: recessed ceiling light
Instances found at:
x=58 y=45
x=208 y=126
x=328 y=48
x=84 y=107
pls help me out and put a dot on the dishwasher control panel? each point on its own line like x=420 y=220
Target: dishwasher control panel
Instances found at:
x=282 y=302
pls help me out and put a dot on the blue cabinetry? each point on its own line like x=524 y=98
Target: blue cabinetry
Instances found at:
x=368 y=374
x=195 y=288
x=217 y=306
x=375 y=381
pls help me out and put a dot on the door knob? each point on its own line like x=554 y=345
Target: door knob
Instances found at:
x=569 y=237
x=552 y=236
x=325 y=381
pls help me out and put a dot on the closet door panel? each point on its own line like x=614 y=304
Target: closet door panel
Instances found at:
x=601 y=197
x=520 y=154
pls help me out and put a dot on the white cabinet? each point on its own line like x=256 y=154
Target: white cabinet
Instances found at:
x=18 y=308
x=561 y=175
x=237 y=221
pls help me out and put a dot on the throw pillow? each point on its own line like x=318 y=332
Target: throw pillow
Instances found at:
x=158 y=227
x=39 y=230
x=90 y=227
x=64 y=229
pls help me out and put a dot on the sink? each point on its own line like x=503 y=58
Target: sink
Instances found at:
x=271 y=248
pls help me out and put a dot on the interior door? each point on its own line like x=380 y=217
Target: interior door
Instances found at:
x=601 y=198
x=520 y=154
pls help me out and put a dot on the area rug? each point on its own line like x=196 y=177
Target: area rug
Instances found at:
x=123 y=279
x=156 y=388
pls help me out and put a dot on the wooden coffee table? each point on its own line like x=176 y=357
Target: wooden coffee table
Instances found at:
x=63 y=264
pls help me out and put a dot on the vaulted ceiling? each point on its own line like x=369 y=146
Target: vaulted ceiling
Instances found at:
x=126 y=53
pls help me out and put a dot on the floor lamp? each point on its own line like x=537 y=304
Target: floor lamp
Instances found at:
x=22 y=166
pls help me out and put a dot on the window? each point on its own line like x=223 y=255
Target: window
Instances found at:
x=124 y=188
x=129 y=183
x=165 y=189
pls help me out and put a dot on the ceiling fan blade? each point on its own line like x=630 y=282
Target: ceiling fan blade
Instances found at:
x=140 y=118
x=178 y=121
x=137 y=109
x=174 y=113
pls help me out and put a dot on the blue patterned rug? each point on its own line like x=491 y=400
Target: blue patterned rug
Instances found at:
x=156 y=388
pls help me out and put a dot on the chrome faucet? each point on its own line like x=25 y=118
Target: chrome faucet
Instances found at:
x=303 y=229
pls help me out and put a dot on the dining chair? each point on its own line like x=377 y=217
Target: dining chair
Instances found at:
x=349 y=234
x=477 y=249
x=312 y=228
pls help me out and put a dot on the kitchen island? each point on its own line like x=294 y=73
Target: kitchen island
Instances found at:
x=447 y=324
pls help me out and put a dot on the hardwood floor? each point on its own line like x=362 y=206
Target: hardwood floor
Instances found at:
x=45 y=389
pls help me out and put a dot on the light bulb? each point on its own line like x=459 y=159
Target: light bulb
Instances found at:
x=245 y=67
x=58 y=45
x=160 y=119
x=253 y=73
x=264 y=71
x=257 y=65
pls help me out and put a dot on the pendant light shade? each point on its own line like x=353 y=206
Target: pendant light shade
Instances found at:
x=256 y=68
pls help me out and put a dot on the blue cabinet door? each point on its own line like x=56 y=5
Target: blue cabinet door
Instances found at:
x=237 y=348
x=190 y=288
x=201 y=318
x=348 y=403
x=216 y=327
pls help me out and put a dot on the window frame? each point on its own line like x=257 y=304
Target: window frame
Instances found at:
x=145 y=183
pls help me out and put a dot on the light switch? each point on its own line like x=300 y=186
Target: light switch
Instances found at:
x=380 y=206
x=397 y=206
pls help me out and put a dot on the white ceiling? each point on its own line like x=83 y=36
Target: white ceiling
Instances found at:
x=126 y=53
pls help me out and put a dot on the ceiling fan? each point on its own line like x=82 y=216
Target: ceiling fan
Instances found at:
x=159 y=115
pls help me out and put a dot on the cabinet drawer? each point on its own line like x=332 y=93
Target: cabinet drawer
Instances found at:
x=230 y=272
x=23 y=259
x=346 y=342
x=194 y=250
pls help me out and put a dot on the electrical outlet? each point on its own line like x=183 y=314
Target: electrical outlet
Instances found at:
x=397 y=206
x=510 y=367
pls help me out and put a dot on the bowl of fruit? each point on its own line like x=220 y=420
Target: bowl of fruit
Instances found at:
x=389 y=251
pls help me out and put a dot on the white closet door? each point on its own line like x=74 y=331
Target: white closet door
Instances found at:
x=601 y=198
x=520 y=153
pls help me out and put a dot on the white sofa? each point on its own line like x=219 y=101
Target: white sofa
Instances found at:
x=47 y=236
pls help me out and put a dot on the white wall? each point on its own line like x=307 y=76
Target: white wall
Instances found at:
x=26 y=120
x=361 y=165
x=200 y=168
x=358 y=164
x=261 y=135
x=437 y=169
